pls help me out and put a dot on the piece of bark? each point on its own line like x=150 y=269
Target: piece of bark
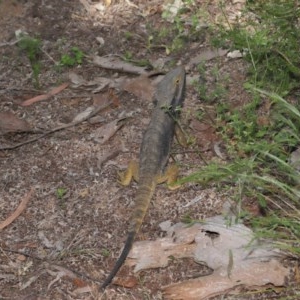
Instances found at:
x=232 y=251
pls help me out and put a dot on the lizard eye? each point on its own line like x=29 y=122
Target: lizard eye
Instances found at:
x=177 y=81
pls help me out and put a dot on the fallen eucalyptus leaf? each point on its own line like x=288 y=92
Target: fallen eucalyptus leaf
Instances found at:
x=141 y=87
x=105 y=132
x=116 y=64
x=10 y=123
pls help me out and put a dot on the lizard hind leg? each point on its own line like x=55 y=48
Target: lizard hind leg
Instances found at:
x=170 y=177
x=132 y=171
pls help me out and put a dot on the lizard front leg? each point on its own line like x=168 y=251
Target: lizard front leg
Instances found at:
x=181 y=136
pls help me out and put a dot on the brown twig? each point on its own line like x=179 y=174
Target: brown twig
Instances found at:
x=94 y=112
x=18 y=211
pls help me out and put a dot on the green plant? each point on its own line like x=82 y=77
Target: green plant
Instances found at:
x=60 y=193
x=105 y=252
x=260 y=168
x=32 y=48
x=271 y=40
x=128 y=56
x=178 y=32
x=217 y=91
x=262 y=151
x=75 y=57
x=260 y=140
x=128 y=35
x=189 y=221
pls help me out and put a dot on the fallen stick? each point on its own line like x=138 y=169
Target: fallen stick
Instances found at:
x=18 y=211
x=74 y=123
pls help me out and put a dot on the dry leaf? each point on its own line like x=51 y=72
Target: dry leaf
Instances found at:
x=207 y=54
x=99 y=99
x=83 y=115
x=109 y=96
x=100 y=82
x=105 y=132
x=127 y=282
x=219 y=150
x=263 y=121
x=18 y=211
x=76 y=80
x=51 y=93
x=10 y=123
x=78 y=282
x=116 y=64
x=91 y=9
x=84 y=193
x=21 y=257
x=31 y=280
x=83 y=290
x=141 y=87
x=172 y=8
x=62 y=272
x=235 y=54
x=294 y=159
x=114 y=98
x=108 y=155
x=204 y=133
x=297 y=273
x=103 y=82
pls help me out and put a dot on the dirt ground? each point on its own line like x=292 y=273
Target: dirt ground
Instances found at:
x=73 y=240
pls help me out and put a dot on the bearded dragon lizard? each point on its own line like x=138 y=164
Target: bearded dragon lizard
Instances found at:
x=154 y=155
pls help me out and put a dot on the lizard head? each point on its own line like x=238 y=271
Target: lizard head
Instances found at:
x=170 y=91
x=178 y=87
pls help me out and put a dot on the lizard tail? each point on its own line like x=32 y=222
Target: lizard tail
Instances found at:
x=120 y=261
x=143 y=197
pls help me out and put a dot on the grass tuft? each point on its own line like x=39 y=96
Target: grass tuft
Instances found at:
x=260 y=139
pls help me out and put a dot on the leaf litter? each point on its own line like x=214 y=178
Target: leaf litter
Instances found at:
x=232 y=251
x=81 y=117
x=184 y=243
